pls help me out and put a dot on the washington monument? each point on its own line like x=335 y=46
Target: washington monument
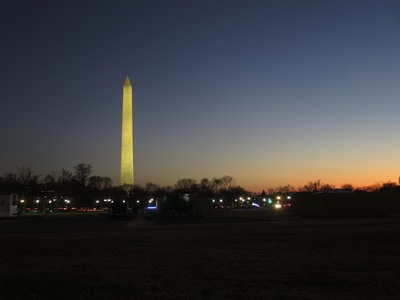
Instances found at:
x=127 y=174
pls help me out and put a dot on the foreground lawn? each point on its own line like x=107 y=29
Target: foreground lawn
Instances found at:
x=237 y=259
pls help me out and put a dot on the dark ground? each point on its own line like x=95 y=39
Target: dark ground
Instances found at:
x=240 y=256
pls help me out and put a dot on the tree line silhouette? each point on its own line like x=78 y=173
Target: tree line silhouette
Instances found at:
x=87 y=190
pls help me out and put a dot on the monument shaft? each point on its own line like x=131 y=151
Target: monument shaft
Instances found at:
x=127 y=173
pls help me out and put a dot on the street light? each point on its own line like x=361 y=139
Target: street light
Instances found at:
x=22 y=201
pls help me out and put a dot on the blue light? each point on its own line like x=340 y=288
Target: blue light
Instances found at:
x=151 y=207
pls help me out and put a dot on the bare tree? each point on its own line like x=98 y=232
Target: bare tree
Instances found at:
x=82 y=173
x=317 y=186
x=186 y=185
x=312 y=186
x=107 y=183
x=60 y=182
x=227 y=182
x=388 y=186
x=151 y=189
x=207 y=187
x=22 y=182
x=285 y=189
x=50 y=180
x=347 y=187
x=96 y=182
x=100 y=183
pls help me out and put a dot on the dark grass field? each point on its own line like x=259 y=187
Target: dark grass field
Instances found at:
x=248 y=257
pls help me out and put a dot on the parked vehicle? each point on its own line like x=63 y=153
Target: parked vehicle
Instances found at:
x=150 y=212
x=119 y=209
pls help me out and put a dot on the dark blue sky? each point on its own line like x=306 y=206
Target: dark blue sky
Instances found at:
x=269 y=92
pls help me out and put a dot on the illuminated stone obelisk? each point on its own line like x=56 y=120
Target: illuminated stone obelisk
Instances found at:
x=127 y=173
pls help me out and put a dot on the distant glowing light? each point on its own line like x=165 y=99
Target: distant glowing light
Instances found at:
x=255 y=204
x=152 y=207
x=278 y=205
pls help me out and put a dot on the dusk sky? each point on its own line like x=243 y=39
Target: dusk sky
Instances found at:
x=269 y=92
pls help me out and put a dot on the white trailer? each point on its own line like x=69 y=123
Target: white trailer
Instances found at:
x=8 y=205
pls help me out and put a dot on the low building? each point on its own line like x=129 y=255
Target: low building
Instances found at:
x=8 y=205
